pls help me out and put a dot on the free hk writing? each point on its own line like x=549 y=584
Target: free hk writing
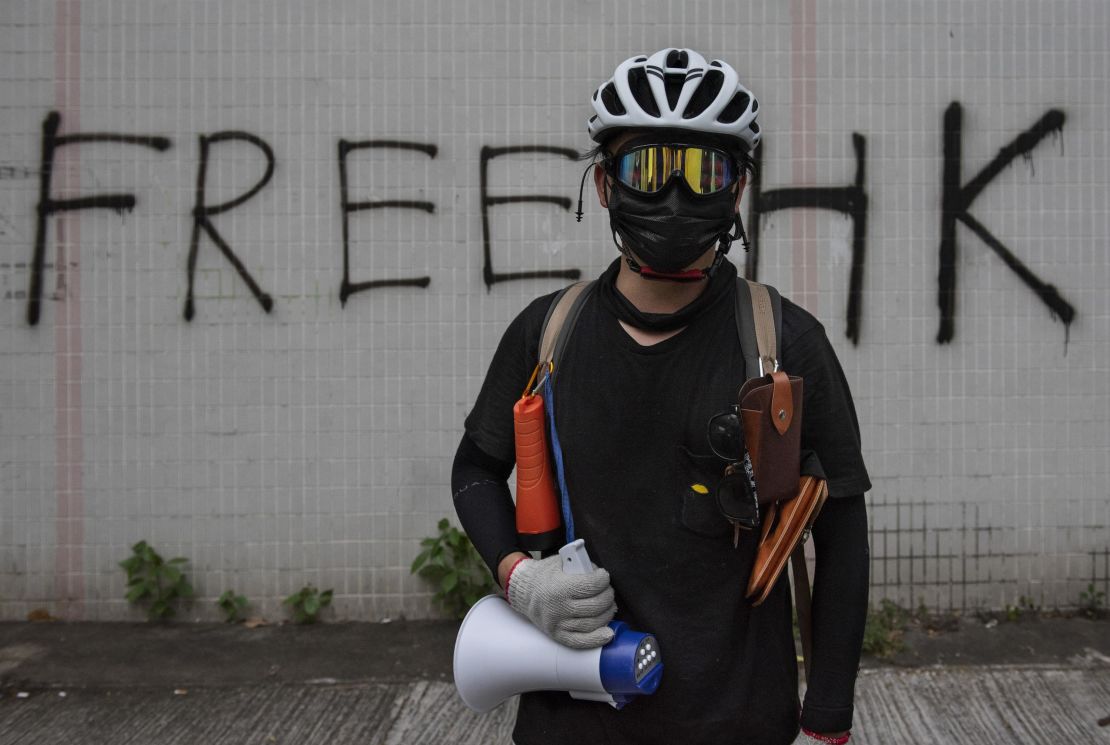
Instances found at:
x=850 y=200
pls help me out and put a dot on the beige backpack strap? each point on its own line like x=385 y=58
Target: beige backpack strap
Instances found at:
x=767 y=326
x=557 y=316
x=765 y=336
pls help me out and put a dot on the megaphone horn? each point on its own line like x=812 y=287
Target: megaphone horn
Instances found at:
x=499 y=653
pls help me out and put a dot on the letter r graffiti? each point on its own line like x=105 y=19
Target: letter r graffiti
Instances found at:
x=202 y=212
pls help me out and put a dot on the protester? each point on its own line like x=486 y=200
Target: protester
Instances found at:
x=654 y=354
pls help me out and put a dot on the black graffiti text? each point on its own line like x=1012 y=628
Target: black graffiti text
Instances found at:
x=48 y=206
x=850 y=200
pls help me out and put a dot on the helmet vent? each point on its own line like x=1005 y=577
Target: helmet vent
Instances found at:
x=705 y=94
x=673 y=83
x=678 y=58
x=612 y=101
x=754 y=128
x=640 y=59
x=735 y=109
x=641 y=91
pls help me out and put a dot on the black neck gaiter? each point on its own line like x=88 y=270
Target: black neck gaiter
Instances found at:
x=718 y=287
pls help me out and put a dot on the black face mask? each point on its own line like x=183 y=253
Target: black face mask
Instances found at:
x=671 y=228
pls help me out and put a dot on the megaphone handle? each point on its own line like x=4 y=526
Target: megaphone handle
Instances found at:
x=575 y=559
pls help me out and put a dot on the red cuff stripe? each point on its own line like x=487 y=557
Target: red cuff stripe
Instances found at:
x=509 y=576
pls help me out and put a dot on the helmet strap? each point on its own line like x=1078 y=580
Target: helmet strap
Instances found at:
x=689 y=275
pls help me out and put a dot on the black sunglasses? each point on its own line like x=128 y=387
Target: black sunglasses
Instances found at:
x=737 y=498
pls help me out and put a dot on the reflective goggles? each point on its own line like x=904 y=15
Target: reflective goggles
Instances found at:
x=648 y=168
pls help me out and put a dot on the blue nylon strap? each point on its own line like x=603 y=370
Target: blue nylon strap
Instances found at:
x=549 y=406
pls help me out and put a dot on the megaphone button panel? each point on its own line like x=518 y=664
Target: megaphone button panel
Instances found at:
x=648 y=658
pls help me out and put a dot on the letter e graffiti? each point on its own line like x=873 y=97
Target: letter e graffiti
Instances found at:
x=348 y=288
x=488 y=154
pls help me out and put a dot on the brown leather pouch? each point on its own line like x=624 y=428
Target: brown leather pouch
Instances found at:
x=771 y=408
x=785 y=527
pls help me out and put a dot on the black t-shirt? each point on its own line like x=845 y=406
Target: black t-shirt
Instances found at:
x=632 y=425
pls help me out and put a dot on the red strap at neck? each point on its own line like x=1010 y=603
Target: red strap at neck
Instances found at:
x=690 y=275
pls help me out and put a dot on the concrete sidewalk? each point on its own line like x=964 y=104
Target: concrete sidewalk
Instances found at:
x=1040 y=680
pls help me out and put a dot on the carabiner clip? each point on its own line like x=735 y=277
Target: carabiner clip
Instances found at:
x=543 y=378
x=530 y=391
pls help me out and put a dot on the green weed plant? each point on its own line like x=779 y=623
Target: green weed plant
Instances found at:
x=307 y=603
x=233 y=606
x=451 y=563
x=1092 y=602
x=882 y=636
x=155 y=582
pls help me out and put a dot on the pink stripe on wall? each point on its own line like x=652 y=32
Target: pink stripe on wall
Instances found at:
x=69 y=578
x=803 y=117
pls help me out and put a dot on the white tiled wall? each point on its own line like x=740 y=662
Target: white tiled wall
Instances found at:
x=313 y=443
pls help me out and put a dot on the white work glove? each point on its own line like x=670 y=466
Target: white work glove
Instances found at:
x=572 y=609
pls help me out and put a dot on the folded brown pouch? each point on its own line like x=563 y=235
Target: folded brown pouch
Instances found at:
x=785 y=528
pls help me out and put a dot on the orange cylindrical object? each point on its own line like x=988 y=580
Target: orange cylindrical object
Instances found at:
x=537 y=506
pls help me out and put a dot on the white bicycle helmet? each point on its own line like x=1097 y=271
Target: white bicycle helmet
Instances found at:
x=675 y=89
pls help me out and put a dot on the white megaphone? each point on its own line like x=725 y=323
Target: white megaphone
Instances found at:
x=499 y=653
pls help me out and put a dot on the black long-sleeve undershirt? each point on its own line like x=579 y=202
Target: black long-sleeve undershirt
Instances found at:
x=485 y=509
x=840 y=589
x=480 y=491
